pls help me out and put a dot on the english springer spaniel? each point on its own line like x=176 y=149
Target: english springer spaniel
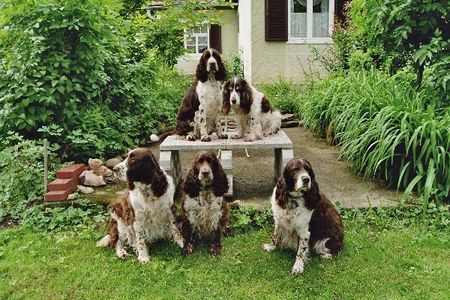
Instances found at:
x=304 y=217
x=205 y=213
x=145 y=213
x=255 y=116
x=202 y=103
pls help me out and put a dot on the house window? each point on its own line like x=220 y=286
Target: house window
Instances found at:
x=310 y=20
x=196 y=40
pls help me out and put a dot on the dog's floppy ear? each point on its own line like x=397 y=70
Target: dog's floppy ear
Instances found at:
x=288 y=178
x=159 y=179
x=220 y=181
x=246 y=98
x=221 y=73
x=265 y=105
x=201 y=74
x=226 y=98
x=281 y=194
x=191 y=185
x=139 y=170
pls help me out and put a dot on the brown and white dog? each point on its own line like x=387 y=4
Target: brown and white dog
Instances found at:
x=145 y=213
x=205 y=213
x=255 y=116
x=305 y=219
x=197 y=115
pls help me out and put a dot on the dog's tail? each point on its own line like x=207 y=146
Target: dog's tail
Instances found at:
x=162 y=136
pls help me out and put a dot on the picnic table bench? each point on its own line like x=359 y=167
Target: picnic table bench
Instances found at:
x=169 y=157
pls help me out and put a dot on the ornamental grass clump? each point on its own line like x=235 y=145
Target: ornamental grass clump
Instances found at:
x=386 y=129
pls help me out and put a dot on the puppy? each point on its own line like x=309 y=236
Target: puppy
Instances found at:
x=205 y=212
x=146 y=211
x=255 y=116
x=305 y=219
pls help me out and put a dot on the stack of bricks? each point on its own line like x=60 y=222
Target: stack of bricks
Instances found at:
x=65 y=183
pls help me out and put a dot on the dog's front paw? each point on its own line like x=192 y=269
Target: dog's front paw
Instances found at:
x=190 y=137
x=249 y=138
x=298 y=267
x=205 y=138
x=223 y=136
x=326 y=256
x=122 y=254
x=268 y=247
x=143 y=259
x=215 y=249
x=187 y=249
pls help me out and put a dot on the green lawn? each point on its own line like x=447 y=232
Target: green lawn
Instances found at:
x=402 y=262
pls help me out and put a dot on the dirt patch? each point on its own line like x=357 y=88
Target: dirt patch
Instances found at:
x=107 y=194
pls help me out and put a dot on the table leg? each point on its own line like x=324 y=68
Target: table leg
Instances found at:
x=226 y=158
x=282 y=157
x=170 y=162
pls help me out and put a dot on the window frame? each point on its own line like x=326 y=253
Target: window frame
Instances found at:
x=309 y=39
x=196 y=41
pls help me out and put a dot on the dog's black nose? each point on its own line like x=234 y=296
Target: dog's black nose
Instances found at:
x=305 y=179
x=212 y=66
x=233 y=101
x=205 y=173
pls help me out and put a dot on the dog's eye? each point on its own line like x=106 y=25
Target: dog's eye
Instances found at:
x=230 y=88
x=237 y=88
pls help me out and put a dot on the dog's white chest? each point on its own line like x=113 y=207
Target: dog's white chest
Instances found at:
x=297 y=217
x=152 y=211
x=210 y=95
x=204 y=212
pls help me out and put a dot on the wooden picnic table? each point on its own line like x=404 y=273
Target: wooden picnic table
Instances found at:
x=169 y=158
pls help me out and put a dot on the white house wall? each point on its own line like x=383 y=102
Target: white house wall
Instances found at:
x=229 y=33
x=272 y=60
x=245 y=36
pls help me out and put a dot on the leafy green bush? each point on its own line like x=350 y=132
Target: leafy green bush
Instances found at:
x=432 y=215
x=234 y=66
x=81 y=218
x=21 y=174
x=401 y=33
x=284 y=94
x=248 y=218
x=69 y=73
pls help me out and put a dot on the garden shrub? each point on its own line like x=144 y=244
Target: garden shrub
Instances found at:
x=284 y=94
x=399 y=33
x=21 y=174
x=69 y=74
x=234 y=66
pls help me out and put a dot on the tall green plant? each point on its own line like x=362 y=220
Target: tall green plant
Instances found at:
x=59 y=56
x=398 y=33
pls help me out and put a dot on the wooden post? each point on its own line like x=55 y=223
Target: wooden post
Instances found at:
x=45 y=165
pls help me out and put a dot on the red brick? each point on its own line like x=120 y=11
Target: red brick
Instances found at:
x=71 y=171
x=63 y=184
x=53 y=196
